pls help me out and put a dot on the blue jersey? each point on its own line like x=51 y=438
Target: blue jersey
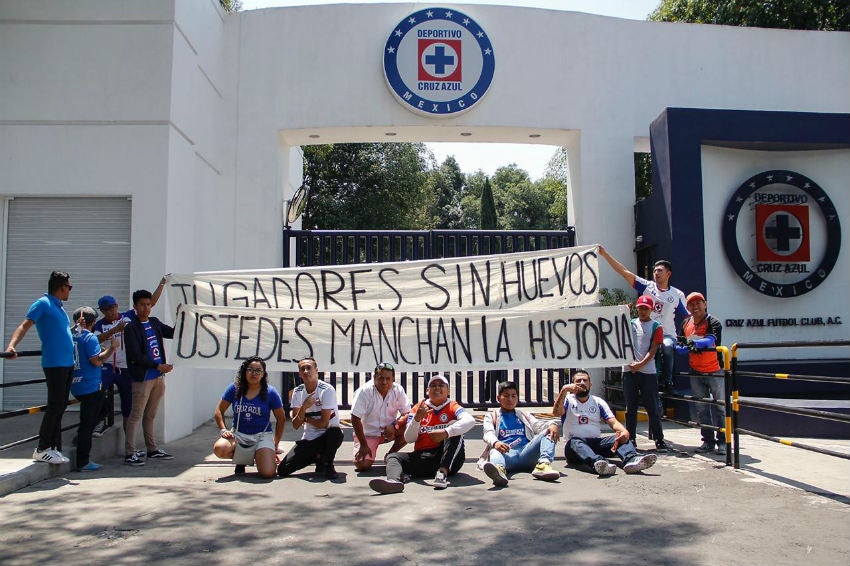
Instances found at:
x=86 y=375
x=512 y=430
x=153 y=348
x=54 y=330
x=253 y=415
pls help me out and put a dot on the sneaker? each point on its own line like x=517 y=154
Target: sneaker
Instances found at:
x=639 y=463
x=329 y=472
x=543 y=471
x=705 y=447
x=604 y=468
x=134 y=460
x=90 y=467
x=160 y=454
x=386 y=486
x=140 y=454
x=440 y=481
x=720 y=450
x=239 y=470
x=662 y=446
x=49 y=456
x=102 y=427
x=496 y=473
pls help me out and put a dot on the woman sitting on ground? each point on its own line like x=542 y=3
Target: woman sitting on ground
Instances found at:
x=253 y=401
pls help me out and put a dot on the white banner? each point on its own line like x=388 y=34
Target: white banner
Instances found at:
x=540 y=280
x=220 y=337
x=523 y=310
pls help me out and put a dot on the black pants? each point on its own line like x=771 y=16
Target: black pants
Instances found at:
x=425 y=463
x=90 y=407
x=320 y=451
x=58 y=389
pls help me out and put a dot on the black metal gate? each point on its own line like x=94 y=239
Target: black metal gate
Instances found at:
x=471 y=388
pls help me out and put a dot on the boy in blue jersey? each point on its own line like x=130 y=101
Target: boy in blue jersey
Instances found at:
x=143 y=340
x=86 y=385
x=516 y=441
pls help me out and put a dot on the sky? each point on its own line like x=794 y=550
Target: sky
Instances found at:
x=489 y=156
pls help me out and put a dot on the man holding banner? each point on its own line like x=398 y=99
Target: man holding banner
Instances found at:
x=314 y=405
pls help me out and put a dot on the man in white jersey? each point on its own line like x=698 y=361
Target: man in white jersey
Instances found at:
x=314 y=405
x=669 y=301
x=582 y=413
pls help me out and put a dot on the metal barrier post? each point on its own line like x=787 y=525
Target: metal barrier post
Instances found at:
x=727 y=390
x=736 y=438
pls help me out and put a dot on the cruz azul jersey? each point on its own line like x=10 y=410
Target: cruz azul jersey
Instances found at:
x=582 y=420
x=438 y=419
x=667 y=304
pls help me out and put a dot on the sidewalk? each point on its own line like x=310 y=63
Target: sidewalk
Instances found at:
x=787 y=507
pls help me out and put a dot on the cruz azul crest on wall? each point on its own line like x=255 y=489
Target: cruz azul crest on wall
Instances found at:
x=781 y=233
x=438 y=62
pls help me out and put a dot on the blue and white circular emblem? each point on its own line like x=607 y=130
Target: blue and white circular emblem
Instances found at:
x=438 y=62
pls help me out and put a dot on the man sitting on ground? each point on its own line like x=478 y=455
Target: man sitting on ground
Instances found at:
x=516 y=441
x=378 y=405
x=436 y=425
x=582 y=414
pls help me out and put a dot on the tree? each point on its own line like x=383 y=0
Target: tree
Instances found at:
x=231 y=6
x=488 y=208
x=446 y=188
x=365 y=186
x=643 y=175
x=824 y=15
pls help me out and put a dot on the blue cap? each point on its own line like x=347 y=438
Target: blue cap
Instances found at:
x=106 y=301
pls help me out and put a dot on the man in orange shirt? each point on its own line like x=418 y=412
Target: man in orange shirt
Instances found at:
x=702 y=335
x=436 y=425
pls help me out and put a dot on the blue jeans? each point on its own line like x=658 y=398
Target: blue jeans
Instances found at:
x=539 y=448
x=647 y=383
x=702 y=385
x=589 y=450
x=121 y=378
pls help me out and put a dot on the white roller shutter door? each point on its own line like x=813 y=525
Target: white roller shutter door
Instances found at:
x=87 y=237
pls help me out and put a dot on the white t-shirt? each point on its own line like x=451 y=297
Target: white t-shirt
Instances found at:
x=325 y=396
x=118 y=358
x=375 y=411
x=584 y=419
x=667 y=303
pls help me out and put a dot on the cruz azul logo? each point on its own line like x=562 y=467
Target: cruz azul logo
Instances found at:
x=781 y=233
x=438 y=62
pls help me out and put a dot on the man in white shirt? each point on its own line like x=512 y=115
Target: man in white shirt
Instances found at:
x=378 y=405
x=314 y=405
x=582 y=413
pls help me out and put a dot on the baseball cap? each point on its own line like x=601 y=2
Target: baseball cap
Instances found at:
x=438 y=377
x=86 y=312
x=106 y=301
x=695 y=297
x=645 y=301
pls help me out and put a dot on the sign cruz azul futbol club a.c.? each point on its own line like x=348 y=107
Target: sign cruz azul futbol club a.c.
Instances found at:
x=438 y=62
x=781 y=233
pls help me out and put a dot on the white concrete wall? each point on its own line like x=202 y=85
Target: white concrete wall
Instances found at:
x=198 y=115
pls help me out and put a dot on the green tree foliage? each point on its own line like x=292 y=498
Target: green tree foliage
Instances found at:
x=488 y=208
x=362 y=186
x=643 y=175
x=231 y=6
x=446 y=189
x=825 y=15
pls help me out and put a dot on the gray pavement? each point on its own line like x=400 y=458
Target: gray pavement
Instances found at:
x=787 y=506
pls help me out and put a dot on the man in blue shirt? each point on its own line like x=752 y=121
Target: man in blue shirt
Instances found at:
x=57 y=362
x=143 y=341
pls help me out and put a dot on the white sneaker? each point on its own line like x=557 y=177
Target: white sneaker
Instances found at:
x=604 y=468
x=440 y=481
x=49 y=456
x=640 y=463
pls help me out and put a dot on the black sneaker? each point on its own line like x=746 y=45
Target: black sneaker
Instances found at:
x=329 y=472
x=160 y=454
x=134 y=460
x=101 y=428
x=662 y=446
x=705 y=447
x=240 y=470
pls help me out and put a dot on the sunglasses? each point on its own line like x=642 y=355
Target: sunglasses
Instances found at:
x=254 y=370
x=69 y=286
x=385 y=365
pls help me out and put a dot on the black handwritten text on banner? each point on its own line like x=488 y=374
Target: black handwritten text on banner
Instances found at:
x=539 y=280
x=218 y=337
